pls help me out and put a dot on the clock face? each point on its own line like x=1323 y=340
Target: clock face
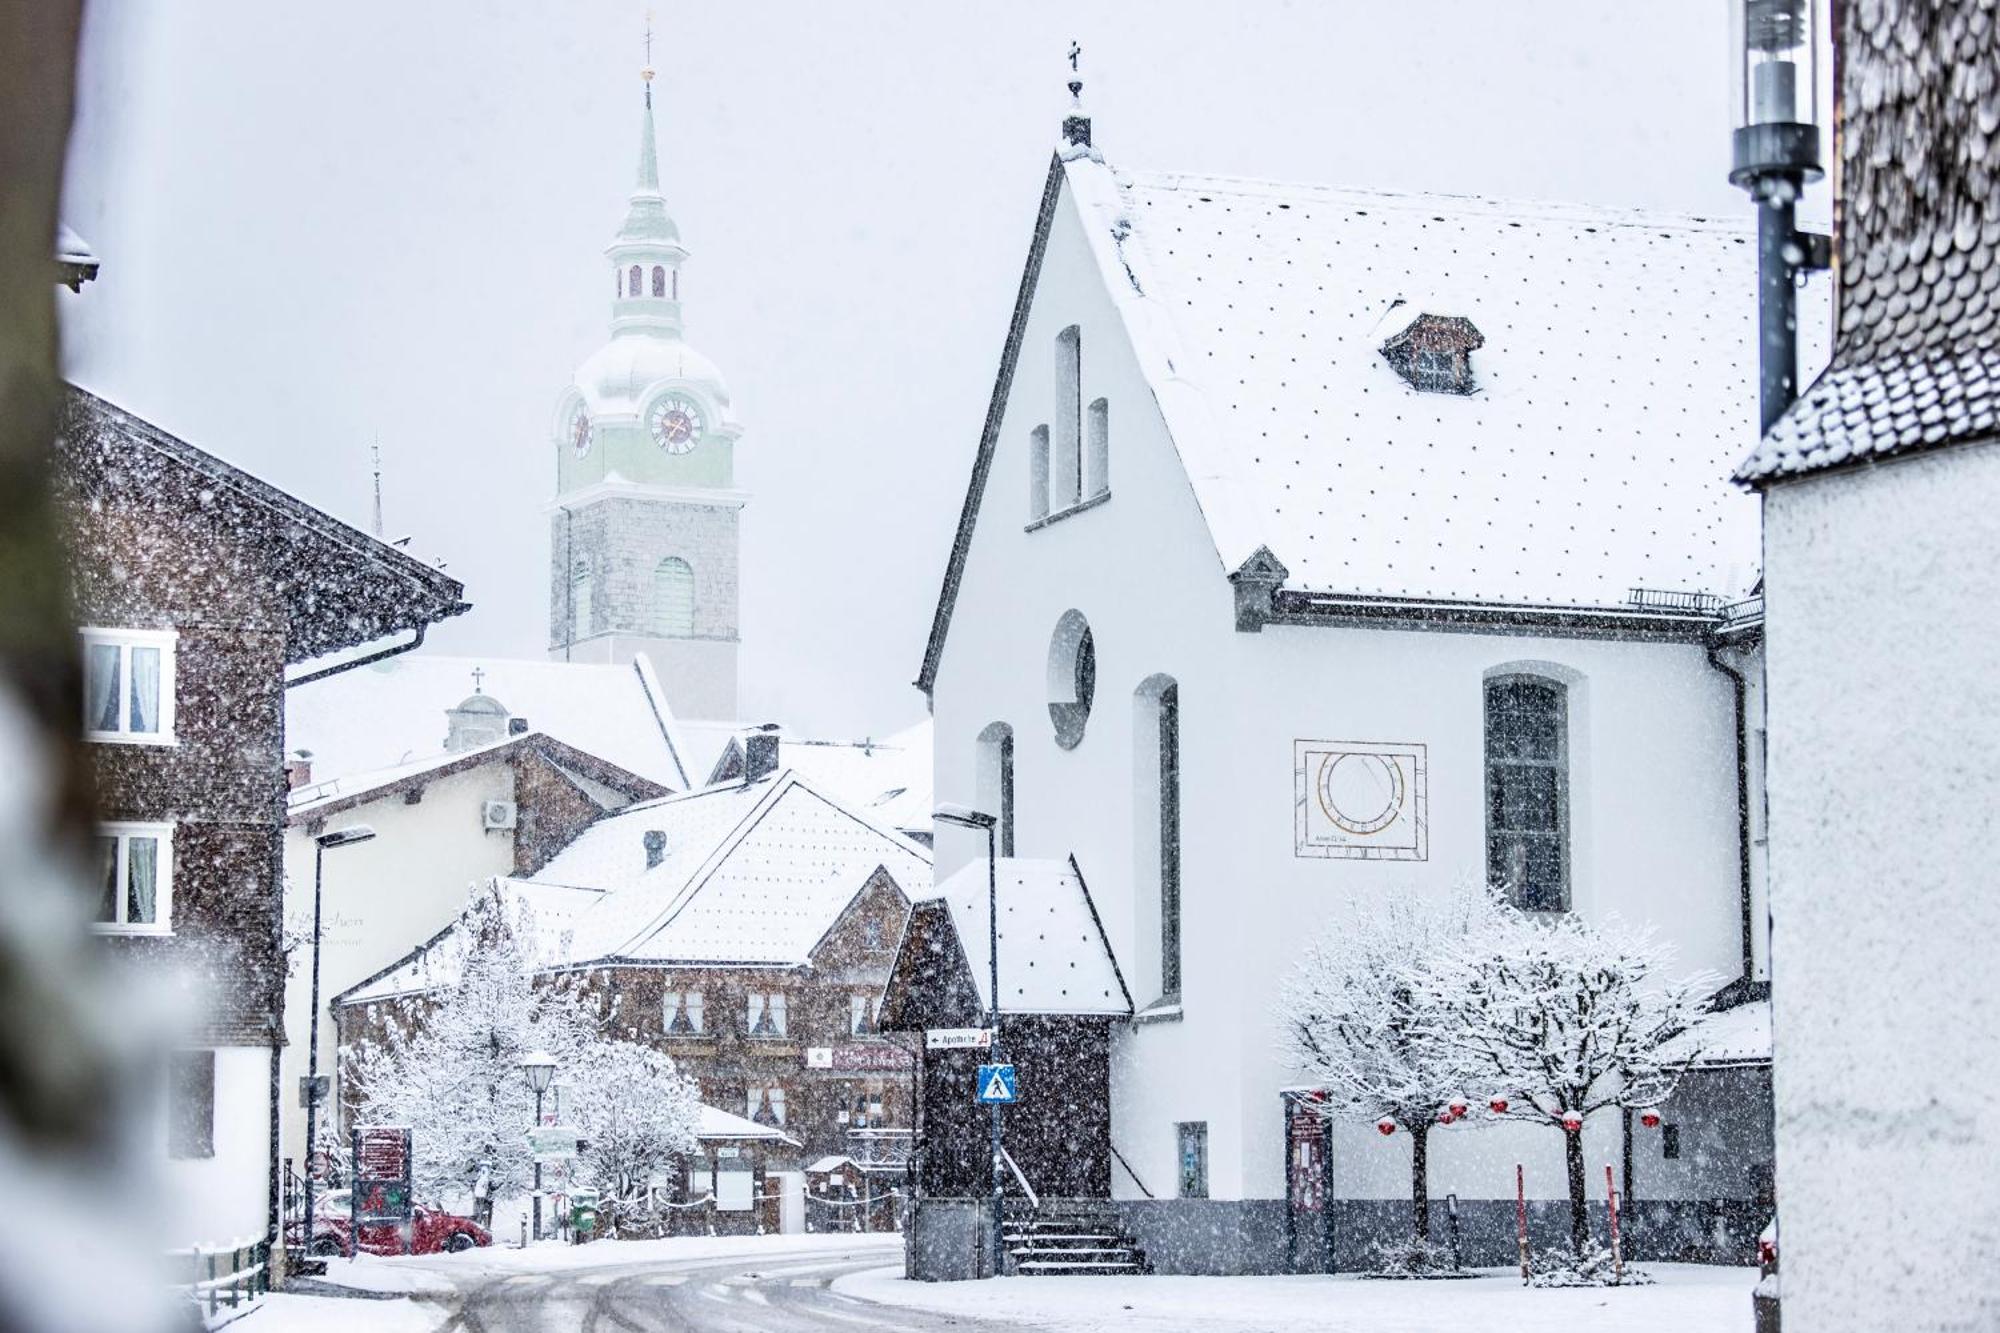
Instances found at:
x=580 y=431
x=676 y=424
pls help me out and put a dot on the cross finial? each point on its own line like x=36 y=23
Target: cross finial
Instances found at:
x=1076 y=126
x=1075 y=54
x=478 y=680
x=646 y=74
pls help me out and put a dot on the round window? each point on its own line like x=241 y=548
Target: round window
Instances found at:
x=1072 y=678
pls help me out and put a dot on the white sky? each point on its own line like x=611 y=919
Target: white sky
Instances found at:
x=322 y=223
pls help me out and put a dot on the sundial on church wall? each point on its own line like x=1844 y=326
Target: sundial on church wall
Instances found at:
x=1363 y=800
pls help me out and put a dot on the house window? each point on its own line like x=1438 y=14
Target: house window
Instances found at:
x=1097 y=461
x=682 y=1010
x=871 y=932
x=673 y=597
x=135 y=875
x=1066 y=458
x=1433 y=353
x=659 y=280
x=766 y=1014
x=863 y=1012
x=632 y=281
x=128 y=691
x=765 y=1104
x=1072 y=677
x=1038 y=473
x=1193 y=1157
x=1527 y=791
x=1157 y=762
x=995 y=782
x=191 y=1104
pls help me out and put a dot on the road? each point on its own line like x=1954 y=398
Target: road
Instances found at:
x=779 y=1293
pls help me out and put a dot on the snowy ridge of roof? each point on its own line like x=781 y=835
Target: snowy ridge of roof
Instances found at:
x=1054 y=958
x=719 y=1124
x=439 y=963
x=1614 y=391
x=889 y=777
x=387 y=713
x=304 y=800
x=1738 y=1036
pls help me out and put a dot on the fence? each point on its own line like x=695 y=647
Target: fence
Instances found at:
x=232 y=1277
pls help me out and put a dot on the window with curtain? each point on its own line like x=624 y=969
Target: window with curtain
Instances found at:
x=1527 y=791
x=683 y=1012
x=673 y=597
x=765 y=1104
x=128 y=692
x=766 y=1014
x=861 y=1015
x=134 y=870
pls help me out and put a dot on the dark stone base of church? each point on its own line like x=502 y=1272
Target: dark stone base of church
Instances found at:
x=1209 y=1236
x=948 y=1240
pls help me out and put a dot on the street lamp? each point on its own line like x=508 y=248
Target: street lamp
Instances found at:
x=322 y=843
x=540 y=1070
x=965 y=817
x=1775 y=154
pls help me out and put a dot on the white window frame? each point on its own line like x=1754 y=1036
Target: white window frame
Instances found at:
x=864 y=1014
x=761 y=1002
x=125 y=640
x=163 y=889
x=690 y=1000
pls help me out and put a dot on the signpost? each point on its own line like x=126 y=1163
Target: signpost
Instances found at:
x=958 y=1039
x=382 y=1189
x=553 y=1143
x=996 y=1085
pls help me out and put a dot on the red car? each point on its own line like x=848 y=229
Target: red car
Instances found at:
x=432 y=1231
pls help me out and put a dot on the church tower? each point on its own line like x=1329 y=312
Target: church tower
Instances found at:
x=643 y=537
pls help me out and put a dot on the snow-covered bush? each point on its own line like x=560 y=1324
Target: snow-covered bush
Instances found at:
x=1412 y=1258
x=1591 y=1266
x=1567 y=1019
x=1366 y=1017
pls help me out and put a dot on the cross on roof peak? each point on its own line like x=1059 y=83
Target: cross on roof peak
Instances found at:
x=478 y=680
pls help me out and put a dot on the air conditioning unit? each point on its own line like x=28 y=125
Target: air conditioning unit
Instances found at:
x=496 y=816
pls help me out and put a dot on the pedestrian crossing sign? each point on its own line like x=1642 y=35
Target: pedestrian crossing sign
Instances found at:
x=996 y=1084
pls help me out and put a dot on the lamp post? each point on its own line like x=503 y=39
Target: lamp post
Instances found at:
x=540 y=1070
x=346 y=837
x=1775 y=154
x=961 y=817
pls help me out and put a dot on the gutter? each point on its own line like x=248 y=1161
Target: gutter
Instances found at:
x=1289 y=607
x=395 y=650
x=1745 y=985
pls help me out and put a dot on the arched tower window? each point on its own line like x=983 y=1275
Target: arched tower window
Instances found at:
x=1097 y=459
x=1527 y=790
x=1156 y=813
x=673 y=598
x=579 y=599
x=632 y=281
x=1038 y=473
x=659 y=280
x=1066 y=449
x=995 y=782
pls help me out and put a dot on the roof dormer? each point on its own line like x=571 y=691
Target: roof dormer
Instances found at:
x=1433 y=353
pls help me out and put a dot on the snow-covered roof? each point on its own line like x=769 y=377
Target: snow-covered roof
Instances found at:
x=750 y=875
x=826 y=1164
x=392 y=713
x=889 y=779
x=1614 y=389
x=1054 y=958
x=1738 y=1036
x=719 y=1124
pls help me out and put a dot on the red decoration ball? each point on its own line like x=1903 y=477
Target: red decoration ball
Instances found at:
x=1457 y=1106
x=1385 y=1126
x=1650 y=1119
x=1572 y=1121
x=1498 y=1106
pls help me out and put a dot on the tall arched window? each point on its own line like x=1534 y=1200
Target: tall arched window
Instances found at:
x=673 y=597
x=632 y=281
x=579 y=599
x=1527 y=790
x=1066 y=448
x=1097 y=459
x=995 y=782
x=659 y=280
x=1038 y=473
x=1156 y=812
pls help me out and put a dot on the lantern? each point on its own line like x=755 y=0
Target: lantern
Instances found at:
x=1571 y=1121
x=1498 y=1106
x=1458 y=1106
x=1385 y=1126
x=1650 y=1119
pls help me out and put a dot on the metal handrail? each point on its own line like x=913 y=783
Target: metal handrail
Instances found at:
x=1034 y=1200
x=1130 y=1172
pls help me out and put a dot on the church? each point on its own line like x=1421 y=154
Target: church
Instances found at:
x=1324 y=547
x=644 y=529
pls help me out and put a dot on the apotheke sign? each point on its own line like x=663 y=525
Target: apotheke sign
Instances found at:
x=958 y=1039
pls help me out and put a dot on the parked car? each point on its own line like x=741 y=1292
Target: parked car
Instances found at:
x=432 y=1231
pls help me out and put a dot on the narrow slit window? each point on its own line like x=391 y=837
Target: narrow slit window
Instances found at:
x=1097 y=472
x=659 y=280
x=1038 y=473
x=1066 y=465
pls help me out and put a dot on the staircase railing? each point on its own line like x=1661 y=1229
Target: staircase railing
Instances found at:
x=1120 y=1157
x=1034 y=1200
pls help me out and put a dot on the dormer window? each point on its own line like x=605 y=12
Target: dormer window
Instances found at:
x=1433 y=353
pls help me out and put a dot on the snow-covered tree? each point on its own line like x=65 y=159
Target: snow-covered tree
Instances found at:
x=1563 y=1019
x=636 y=1112
x=448 y=1064
x=1364 y=1015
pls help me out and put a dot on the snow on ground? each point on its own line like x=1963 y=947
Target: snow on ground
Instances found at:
x=438 y=1272
x=282 y=1312
x=1687 y=1299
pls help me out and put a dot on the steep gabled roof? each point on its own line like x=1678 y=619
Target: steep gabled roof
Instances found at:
x=1612 y=391
x=319 y=799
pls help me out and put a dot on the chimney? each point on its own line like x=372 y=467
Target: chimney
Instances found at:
x=760 y=753
x=656 y=847
x=517 y=726
x=299 y=770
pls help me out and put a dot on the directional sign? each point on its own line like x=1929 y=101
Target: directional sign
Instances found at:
x=553 y=1141
x=958 y=1039
x=996 y=1084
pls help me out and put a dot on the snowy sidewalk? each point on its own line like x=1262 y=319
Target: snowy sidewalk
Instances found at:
x=1687 y=1299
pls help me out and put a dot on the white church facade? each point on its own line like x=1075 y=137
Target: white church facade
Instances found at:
x=1327 y=547
x=644 y=537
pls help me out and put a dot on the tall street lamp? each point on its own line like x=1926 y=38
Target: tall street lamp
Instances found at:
x=540 y=1070
x=963 y=817
x=346 y=837
x=1775 y=154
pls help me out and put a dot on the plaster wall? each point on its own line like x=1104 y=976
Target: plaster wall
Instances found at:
x=223 y=1200
x=1884 y=718
x=1652 y=775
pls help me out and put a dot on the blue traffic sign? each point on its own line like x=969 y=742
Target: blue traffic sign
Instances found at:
x=996 y=1084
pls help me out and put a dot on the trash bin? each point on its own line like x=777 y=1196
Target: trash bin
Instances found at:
x=582 y=1215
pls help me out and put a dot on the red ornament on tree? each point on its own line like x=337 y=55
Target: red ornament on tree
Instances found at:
x=1385 y=1126
x=1446 y=1117
x=1572 y=1122
x=1458 y=1106
x=1650 y=1119
x=1498 y=1106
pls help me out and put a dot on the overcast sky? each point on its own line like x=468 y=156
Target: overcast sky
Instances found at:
x=324 y=223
